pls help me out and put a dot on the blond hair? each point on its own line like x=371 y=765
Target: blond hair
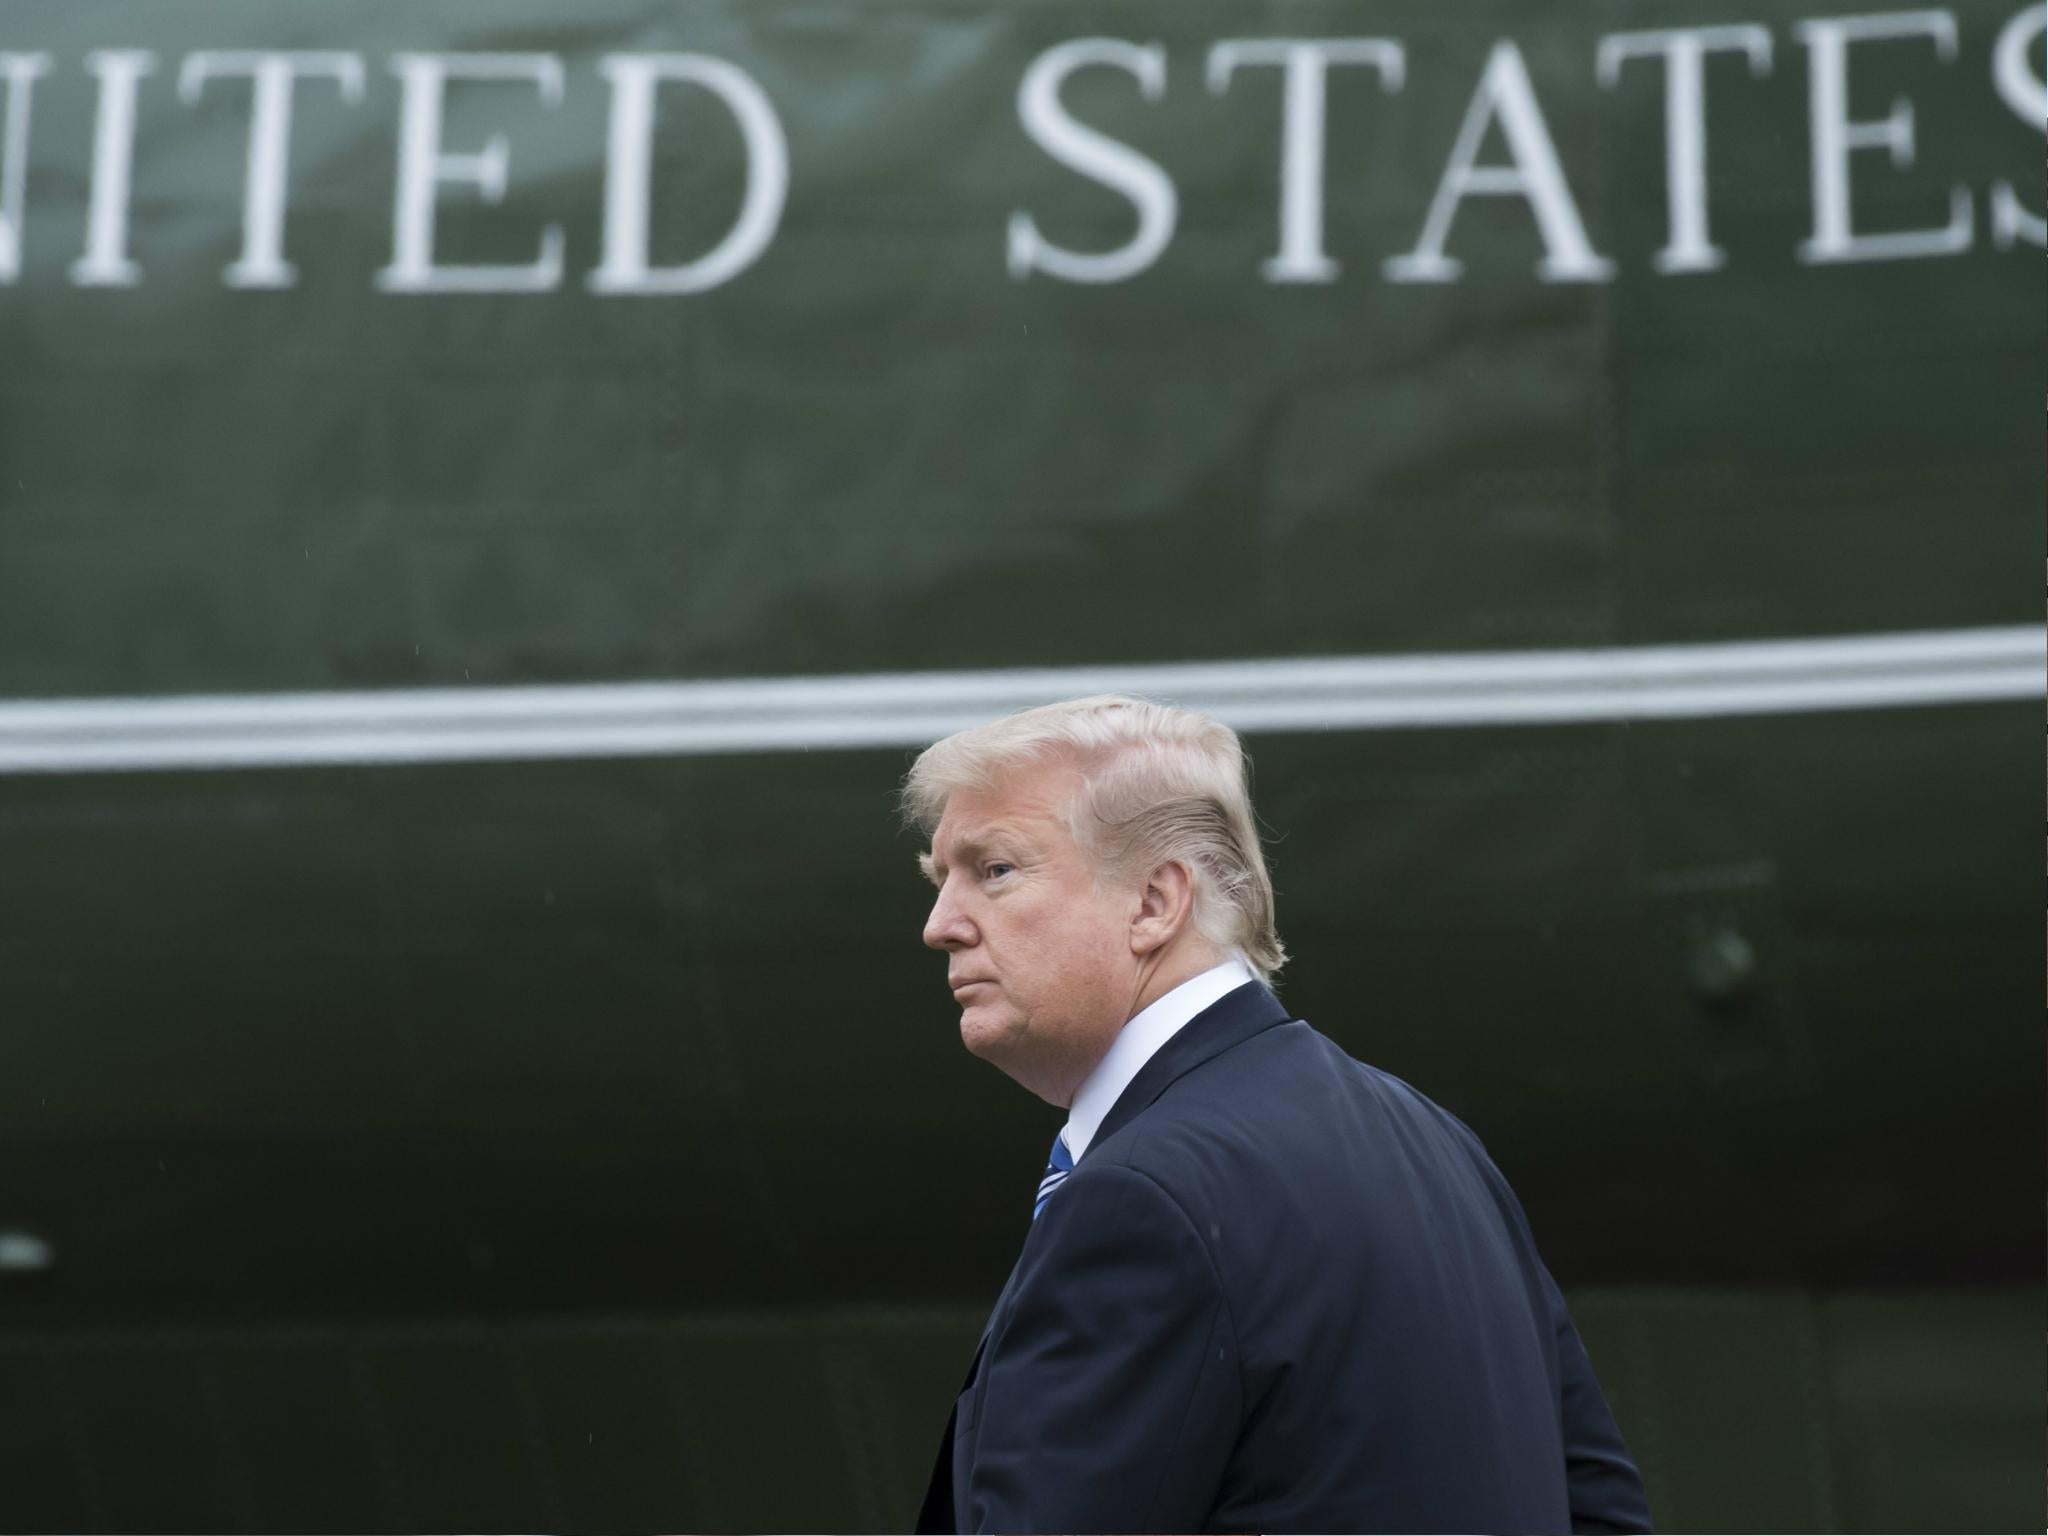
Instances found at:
x=1158 y=784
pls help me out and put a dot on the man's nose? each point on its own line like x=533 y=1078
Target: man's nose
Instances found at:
x=948 y=927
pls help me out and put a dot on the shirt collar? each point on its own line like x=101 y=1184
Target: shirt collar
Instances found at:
x=1136 y=1043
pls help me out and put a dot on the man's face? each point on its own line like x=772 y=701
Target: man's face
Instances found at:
x=1039 y=961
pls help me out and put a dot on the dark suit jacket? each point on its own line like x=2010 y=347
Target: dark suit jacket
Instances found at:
x=1281 y=1291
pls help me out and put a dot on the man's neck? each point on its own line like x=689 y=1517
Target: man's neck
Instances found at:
x=1183 y=964
x=1141 y=1037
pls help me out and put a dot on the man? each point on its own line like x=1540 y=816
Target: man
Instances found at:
x=1265 y=1287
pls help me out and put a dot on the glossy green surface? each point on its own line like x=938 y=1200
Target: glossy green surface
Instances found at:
x=1749 y=1410
x=535 y=1041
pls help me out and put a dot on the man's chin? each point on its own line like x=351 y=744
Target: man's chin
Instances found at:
x=988 y=1033
x=1001 y=1040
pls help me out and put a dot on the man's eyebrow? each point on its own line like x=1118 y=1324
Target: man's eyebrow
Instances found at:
x=967 y=848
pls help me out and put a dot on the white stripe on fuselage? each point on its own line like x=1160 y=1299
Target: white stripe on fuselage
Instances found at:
x=910 y=709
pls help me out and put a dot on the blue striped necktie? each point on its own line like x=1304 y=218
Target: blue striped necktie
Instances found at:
x=1057 y=1167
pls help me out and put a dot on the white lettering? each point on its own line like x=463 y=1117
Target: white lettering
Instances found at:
x=1835 y=137
x=1307 y=62
x=19 y=71
x=262 y=263
x=422 y=166
x=1098 y=157
x=105 y=263
x=2028 y=97
x=629 y=174
x=1684 y=51
x=1505 y=93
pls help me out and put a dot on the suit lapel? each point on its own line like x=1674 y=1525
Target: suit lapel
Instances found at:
x=1231 y=1020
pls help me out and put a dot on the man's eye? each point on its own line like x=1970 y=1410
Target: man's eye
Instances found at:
x=999 y=868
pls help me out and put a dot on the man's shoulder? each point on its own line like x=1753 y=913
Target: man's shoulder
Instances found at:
x=1293 y=1063
x=1285 y=1101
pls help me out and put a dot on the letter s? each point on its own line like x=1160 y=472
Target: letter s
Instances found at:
x=1097 y=156
x=2028 y=98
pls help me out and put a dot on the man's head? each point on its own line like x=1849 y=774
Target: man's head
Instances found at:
x=1089 y=856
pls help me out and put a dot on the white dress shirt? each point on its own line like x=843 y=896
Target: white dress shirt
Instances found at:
x=1137 y=1042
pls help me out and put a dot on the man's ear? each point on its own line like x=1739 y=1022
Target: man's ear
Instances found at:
x=1166 y=901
